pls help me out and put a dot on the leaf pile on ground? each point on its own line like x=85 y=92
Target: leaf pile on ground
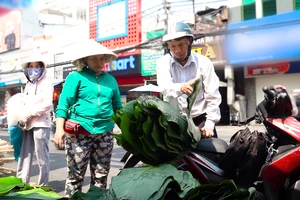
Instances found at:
x=163 y=182
x=12 y=187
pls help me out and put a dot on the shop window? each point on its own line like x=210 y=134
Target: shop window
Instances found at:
x=297 y=4
x=248 y=9
x=269 y=7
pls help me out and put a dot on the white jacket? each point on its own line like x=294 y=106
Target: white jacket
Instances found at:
x=38 y=103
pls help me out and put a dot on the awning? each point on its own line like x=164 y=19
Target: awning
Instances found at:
x=12 y=79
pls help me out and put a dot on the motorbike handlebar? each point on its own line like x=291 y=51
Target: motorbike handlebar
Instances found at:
x=248 y=120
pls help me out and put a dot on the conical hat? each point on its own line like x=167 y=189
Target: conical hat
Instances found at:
x=91 y=48
x=33 y=58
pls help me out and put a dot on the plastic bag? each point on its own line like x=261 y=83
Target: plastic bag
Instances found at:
x=15 y=105
x=15 y=138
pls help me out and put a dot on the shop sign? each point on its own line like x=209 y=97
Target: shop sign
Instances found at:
x=272 y=69
x=268 y=39
x=210 y=47
x=149 y=59
x=125 y=66
x=8 y=64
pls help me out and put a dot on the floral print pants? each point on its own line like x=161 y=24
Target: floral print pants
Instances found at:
x=82 y=150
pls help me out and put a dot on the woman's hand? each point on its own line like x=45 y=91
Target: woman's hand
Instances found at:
x=59 y=138
x=60 y=134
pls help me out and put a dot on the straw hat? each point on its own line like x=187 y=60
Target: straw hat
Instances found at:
x=33 y=58
x=91 y=48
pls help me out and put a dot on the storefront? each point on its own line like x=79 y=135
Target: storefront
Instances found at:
x=127 y=71
x=10 y=84
x=267 y=49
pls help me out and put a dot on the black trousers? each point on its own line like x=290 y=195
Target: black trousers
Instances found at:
x=201 y=120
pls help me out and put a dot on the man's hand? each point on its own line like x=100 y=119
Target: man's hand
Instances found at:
x=207 y=132
x=187 y=88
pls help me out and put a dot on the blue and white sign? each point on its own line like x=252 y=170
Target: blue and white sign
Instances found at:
x=126 y=65
x=112 y=20
x=273 y=38
x=11 y=82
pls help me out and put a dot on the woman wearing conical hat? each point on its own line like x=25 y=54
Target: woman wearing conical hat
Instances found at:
x=90 y=96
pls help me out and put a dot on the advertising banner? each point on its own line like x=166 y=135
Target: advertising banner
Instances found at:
x=273 y=38
x=112 y=20
x=129 y=65
x=10 y=30
x=149 y=59
x=272 y=69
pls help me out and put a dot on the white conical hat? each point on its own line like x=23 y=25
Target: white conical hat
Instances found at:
x=90 y=48
x=34 y=58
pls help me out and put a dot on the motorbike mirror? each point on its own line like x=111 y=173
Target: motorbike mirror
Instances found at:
x=269 y=91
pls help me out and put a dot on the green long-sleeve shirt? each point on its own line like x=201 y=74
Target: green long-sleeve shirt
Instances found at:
x=90 y=100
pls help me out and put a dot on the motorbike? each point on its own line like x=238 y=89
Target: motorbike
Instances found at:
x=279 y=177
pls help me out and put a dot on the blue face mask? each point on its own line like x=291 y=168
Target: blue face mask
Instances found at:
x=33 y=74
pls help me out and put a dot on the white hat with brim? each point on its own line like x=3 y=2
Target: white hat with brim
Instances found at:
x=91 y=48
x=176 y=35
x=34 y=58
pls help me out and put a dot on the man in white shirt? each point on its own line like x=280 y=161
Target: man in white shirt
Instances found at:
x=178 y=70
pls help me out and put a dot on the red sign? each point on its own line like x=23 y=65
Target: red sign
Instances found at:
x=267 y=69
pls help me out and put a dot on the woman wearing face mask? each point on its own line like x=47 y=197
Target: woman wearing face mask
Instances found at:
x=35 y=120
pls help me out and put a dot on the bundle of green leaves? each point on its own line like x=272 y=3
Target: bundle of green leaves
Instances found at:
x=12 y=187
x=153 y=131
x=163 y=182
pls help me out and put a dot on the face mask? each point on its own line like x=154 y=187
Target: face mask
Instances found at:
x=33 y=74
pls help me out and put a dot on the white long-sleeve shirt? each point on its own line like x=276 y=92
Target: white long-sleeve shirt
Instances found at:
x=171 y=75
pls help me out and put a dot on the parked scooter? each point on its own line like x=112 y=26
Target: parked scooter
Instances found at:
x=280 y=176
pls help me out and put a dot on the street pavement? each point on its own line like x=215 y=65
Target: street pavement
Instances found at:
x=58 y=161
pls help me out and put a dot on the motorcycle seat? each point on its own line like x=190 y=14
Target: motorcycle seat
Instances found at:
x=212 y=145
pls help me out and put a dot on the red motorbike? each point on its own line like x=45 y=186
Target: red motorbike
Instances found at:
x=279 y=177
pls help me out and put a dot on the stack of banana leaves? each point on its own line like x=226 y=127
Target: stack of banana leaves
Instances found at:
x=154 y=132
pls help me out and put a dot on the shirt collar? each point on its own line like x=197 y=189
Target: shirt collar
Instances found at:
x=190 y=60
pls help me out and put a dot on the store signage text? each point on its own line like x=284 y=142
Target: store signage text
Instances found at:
x=123 y=64
x=267 y=69
x=209 y=39
x=207 y=51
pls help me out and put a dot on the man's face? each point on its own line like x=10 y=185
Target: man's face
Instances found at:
x=179 y=48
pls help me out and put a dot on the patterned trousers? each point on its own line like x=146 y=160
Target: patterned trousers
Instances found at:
x=82 y=150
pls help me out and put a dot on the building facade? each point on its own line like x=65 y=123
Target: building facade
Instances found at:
x=262 y=47
x=47 y=31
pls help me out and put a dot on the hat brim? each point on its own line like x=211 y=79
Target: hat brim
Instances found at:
x=30 y=60
x=92 y=48
x=176 y=35
x=109 y=57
